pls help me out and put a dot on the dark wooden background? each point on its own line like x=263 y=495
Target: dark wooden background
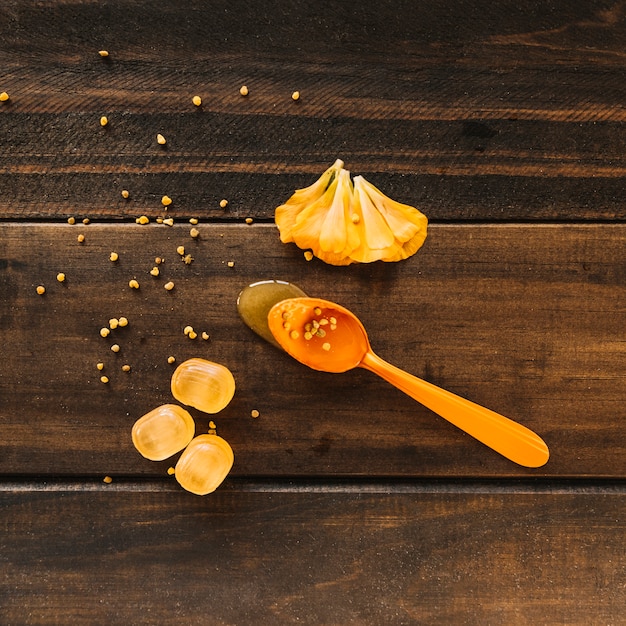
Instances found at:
x=348 y=503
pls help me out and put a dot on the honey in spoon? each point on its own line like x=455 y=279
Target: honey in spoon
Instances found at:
x=256 y=300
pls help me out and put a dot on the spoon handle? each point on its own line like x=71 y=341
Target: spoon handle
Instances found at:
x=512 y=440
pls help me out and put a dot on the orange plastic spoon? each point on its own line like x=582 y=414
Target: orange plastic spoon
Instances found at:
x=327 y=337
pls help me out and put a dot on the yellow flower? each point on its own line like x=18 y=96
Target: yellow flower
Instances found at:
x=343 y=223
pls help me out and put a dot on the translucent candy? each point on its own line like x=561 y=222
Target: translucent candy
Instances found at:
x=162 y=432
x=204 y=464
x=202 y=384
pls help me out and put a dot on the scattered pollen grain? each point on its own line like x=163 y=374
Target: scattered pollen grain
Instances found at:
x=161 y=140
x=41 y=290
x=169 y=286
x=197 y=100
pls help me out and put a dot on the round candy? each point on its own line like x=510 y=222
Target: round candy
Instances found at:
x=204 y=464
x=162 y=432
x=204 y=385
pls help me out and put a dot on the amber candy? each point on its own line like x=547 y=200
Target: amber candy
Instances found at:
x=204 y=464
x=162 y=432
x=203 y=384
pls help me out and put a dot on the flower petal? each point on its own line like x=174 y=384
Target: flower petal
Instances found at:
x=286 y=214
x=335 y=234
x=405 y=221
x=378 y=234
x=308 y=224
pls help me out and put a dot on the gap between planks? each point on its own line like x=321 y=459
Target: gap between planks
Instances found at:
x=391 y=486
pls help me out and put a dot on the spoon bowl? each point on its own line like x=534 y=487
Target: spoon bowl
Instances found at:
x=336 y=344
x=328 y=337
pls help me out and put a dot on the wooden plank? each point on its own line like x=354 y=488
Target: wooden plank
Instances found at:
x=123 y=557
x=524 y=319
x=526 y=123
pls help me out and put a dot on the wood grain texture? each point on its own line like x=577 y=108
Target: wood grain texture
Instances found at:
x=469 y=111
x=315 y=558
x=348 y=502
x=526 y=320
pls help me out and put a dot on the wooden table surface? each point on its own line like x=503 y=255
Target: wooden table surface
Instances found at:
x=348 y=502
